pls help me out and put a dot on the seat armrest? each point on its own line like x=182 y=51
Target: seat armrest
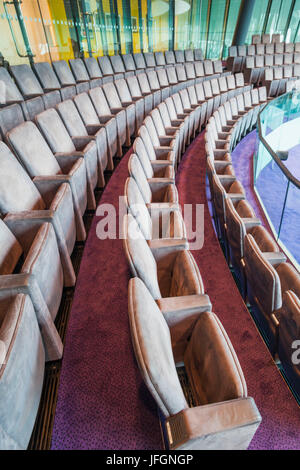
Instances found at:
x=236 y=196
x=163 y=206
x=117 y=110
x=47 y=187
x=105 y=118
x=177 y=122
x=175 y=309
x=274 y=257
x=165 y=140
x=220 y=165
x=157 y=184
x=226 y=179
x=220 y=152
x=228 y=425
x=92 y=129
x=163 y=152
x=82 y=141
x=125 y=104
x=251 y=222
x=163 y=247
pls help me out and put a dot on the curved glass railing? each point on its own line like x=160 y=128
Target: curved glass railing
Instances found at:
x=277 y=170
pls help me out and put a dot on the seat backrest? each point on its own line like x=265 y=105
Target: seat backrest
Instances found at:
x=112 y=95
x=162 y=107
x=171 y=74
x=199 y=91
x=136 y=171
x=162 y=78
x=46 y=76
x=148 y=122
x=149 y=59
x=256 y=38
x=249 y=62
x=215 y=86
x=123 y=90
x=137 y=207
x=9 y=92
x=105 y=65
x=52 y=98
x=279 y=48
x=92 y=67
x=117 y=64
x=198 y=54
x=189 y=55
x=10 y=117
x=289 y=329
x=145 y=83
x=54 y=131
x=289 y=47
x=190 y=70
x=278 y=73
x=269 y=60
x=134 y=87
x=79 y=70
x=222 y=84
x=86 y=109
x=151 y=340
x=34 y=106
x=259 y=61
x=63 y=72
x=179 y=56
x=288 y=58
x=276 y=38
x=208 y=67
x=10 y=250
x=177 y=103
x=218 y=67
x=128 y=62
x=230 y=82
x=207 y=89
x=255 y=96
x=71 y=118
x=99 y=101
x=170 y=58
x=270 y=48
x=158 y=122
x=180 y=71
x=148 y=143
x=266 y=38
x=242 y=51
x=251 y=50
x=17 y=191
x=139 y=60
x=141 y=152
x=297 y=47
x=32 y=149
x=26 y=81
x=232 y=51
x=160 y=58
x=269 y=74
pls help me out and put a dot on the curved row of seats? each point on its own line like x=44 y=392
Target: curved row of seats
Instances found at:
x=269 y=282
x=170 y=315
x=51 y=161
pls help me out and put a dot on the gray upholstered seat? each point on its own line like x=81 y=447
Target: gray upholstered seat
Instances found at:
x=127 y=100
x=195 y=103
x=30 y=264
x=94 y=71
x=139 y=61
x=30 y=203
x=67 y=80
x=160 y=59
x=137 y=94
x=59 y=162
x=170 y=58
x=129 y=63
x=22 y=368
x=150 y=85
x=80 y=72
x=152 y=168
x=149 y=59
x=189 y=55
x=165 y=134
x=217 y=382
x=167 y=143
x=115 y=105
x=46 y=76
x=107 y=70
x=179 y=56
x=26 y=81
x=114 y=121
x=78 y=129
x=9 y=91
x=10 y=117
x=175 y=120
x=181 y=114
x=118 y=66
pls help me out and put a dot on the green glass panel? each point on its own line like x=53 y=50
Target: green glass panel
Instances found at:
x=257 y=19
x=215 y=30
x=233 y=14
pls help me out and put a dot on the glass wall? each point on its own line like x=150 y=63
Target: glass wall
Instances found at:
x=44 y=30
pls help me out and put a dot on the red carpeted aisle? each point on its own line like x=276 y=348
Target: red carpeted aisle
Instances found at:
x=102 y=402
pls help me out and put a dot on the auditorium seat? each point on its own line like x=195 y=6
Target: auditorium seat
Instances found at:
x=191 y=109
x=152 y=83
x=189 y=55
x=58 y=163
x=107 y=70
x=217 y=382
x=166 y=144
x=129 y=63
x=150 y=60
x=155 y=220
x=179 y=56
x=168 y=132
x=160 y=59
x=127 y=100
x=31 y=203
x=93 y=69
x=170 y=58
x=174 y=124
x=106 y=117
x=115 y=105
x=118 y=66
x=152 y=168
x=154 y=152
x=139 y=62
x=166 y=89
x=26 y=81
x=137 y=94
x=198 y=55
x=53 y=93
x=22 y=358
x=80 y=73
x=77 y=130
x=177 y=120
x=11 y=92
x=66 y=78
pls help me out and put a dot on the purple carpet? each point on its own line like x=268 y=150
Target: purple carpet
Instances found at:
x=272 y=185
x=102 y=402
x=280 y=427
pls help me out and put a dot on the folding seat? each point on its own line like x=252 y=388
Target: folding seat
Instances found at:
x=179 y=56
x=215 y=87
x=52 y=99
x=288 y=333
x=189 y=55
x=231 y=85
x=118 y=67
x=222 y=168
x=218 y=153
x=107 y=71
x=263 y=96
x=260 y=65
x=140 y=63
x=289 y=47
x=166 y=89
x=194 y=104
x=288 y=72
x=269 y=60
x=51 y=84
x=199 y=71
x=153 y=221
x=256 y=38
x=160 y=59
x=251 y=50
x=181 y=114
x=172 y=133
x=114 y=122
x=169 y=272
x=87 y=133
x=242 y=111
x=149 y=84
x=234 y=62
x=30 y=264
x=207 y=372
x=30 y=203
x=269 y=82
x=256 y=105
x=182 y=77
x=240 y=83
x=150 y=60
x=171 y=122
x=127 y=100
x=296 y=70
x=209 y=94
x=58 y=162
x=129 y=63
x=22 y=370
x=174 y=84
x=136 y=94
x=191 y=109
x=242 y=52
x=156 y=152
x=278 y=75
x=251 y=73
x=268 y=277
x=93 y=69
x=209 y=69
x=202 y=99
x=168 y=143
x=266 y=38
x=279 y=48
x=288 y=58
x=115 y=105
x=297 y=47
x=153 y=190
x=270 y=48
x=66 y=78
x=152 y=168
x=9 y=93
x=276 y=38
x=190 y=72
x=218 y=67
x=80 y=73
x=221 y=138
x=296 y=58
x=10 y=117
x=232 y=51
x=170 y=58
x=26 y=81
x=198 y=55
